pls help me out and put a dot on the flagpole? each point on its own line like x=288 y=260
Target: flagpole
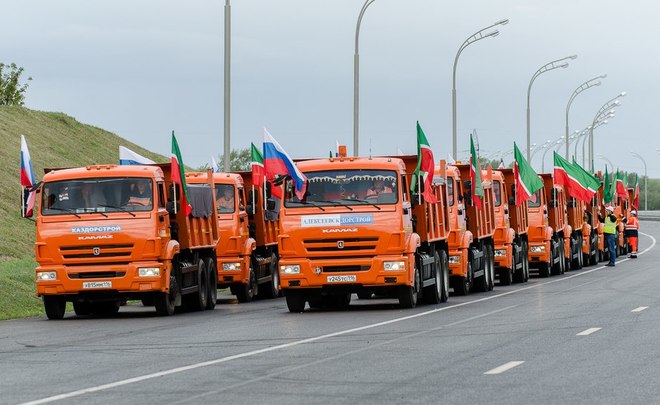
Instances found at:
x=174 y=193
x=419 y=189
x=22 y=202
x=264 y=194
x=254 y=201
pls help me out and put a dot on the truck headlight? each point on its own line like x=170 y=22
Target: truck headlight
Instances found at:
x=454 y=259
x=394 y=266
x=46 y=275
x=500 y=252
x=537 y=249
x=149 y=272
x=290 y=269
x=231 y=266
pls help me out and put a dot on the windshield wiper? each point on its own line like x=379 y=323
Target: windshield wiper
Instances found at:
x=340 y=203
x=307 y=203
x=363 y=201
x=69 y=210
x=118 y=208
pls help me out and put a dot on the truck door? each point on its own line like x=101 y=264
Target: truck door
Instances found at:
x=405 y=205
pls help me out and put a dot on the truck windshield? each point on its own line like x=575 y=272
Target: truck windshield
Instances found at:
x=535 y=199
x=97 y=195
x=224 y=198
x=497 y=190
x=347 y=187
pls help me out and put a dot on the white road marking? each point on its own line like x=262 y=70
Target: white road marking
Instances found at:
x=504 y=367
x=133 y=380
x=588 y=331
x=640 y=309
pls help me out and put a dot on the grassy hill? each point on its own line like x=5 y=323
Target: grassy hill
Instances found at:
x=54 y=140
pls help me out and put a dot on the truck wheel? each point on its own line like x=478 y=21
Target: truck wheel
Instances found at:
x=272 y=290
x=593 y=256
x=295 y=301
x=526 y=260
x=197 y=300
x=555 y=268
x=55 y=306
x=508 y=275
x=82 y=308
x=432 y=293
x=212 y=272
x=408 y=294
x=246 y=292
x=165 y=303
x=444 y=268
x=518 y=276
x=483 y=282
x=491 y=264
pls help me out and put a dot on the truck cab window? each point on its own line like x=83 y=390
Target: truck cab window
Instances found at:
x=497 y=191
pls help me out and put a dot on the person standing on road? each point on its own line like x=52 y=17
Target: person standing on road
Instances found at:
x=610 y=234
x=632 y=228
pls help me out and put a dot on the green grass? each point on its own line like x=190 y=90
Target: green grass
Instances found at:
x=17 y=289
x=55 y=140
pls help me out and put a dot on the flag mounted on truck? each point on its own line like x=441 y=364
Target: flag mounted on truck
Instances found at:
x=619 y=186
x=608 y=195
x=477 y=189
x=635 y=202
x=27 y=180
x=178 y=176
x=257 y=164
x=277 y=162
x=425 y=167
x=578 y=182
x=527 y=181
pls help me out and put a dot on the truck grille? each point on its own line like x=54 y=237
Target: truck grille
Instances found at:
x=115 y=251
x=339 y=245
x=98 y=274
x=348 y=268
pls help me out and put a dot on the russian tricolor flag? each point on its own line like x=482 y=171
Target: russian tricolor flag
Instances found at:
x=27 y=177
x=278 y=162
x=128 y=157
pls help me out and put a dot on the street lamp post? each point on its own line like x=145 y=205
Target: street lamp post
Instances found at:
x=607 y=160
x=227 y=117
x=584 y=86
x=356 y=81
x=538 y=148
x=556 y=144
x=601 y=121
x=637 y=155
x=545 y=68
x=614 y=102
x=470 y=40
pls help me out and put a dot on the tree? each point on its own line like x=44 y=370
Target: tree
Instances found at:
x=239 y=160
x=12 y=92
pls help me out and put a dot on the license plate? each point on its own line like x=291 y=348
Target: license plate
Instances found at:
x=342 y=279
x=97 y=284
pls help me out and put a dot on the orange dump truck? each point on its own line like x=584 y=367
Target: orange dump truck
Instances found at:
x=471 y=230
x=359 y=230
x=548 y=230
x=593 y=213
x=511 y=246
x=581 y=249
x=247 y=258
x=109 y=233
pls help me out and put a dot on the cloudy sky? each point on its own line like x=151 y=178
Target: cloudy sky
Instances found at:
x=141 y=68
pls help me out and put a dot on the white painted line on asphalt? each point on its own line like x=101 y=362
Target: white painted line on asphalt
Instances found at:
x=137 y=379
x=504 y=367
x=640 y=309
x=588 y=331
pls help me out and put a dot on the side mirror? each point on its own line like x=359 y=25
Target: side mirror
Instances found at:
x=467 y=184
x=512 y=201
x=270 y=204
x=170 y=207
x=571 y=203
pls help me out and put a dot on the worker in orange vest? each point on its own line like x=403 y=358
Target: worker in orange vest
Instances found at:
x=632 y=229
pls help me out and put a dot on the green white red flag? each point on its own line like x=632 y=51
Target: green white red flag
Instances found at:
x=635 y=202
x=575 y=179
x=258 y=172
x=475 y=177
x=178 y=176
x=619 y=186
x=425 y=167
x=527 y=181
x=608 y=194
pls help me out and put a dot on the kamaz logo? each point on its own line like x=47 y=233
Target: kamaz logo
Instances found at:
x=340 y=244
x=339 y=230
x=96 y=251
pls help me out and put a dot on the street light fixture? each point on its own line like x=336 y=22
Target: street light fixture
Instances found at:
x=607 y=160
x=356 y=81
x=479 y=35
x=545 y=68
x=555 y=144
x=584 y=86
x=609 y=105
x=603 y=121
x=538 y=148
x=637 y=155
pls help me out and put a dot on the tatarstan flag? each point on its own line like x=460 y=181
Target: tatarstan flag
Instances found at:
x=608 y=195
x=527 y=181
x=619 y=186
x=258 y=172
x=425 y=167
x=178 y=176
x=635 y=202
x=578 y=182
x=475 y=177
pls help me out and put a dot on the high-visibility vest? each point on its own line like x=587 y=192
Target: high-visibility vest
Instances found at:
x=610 y=226
x=632 y=223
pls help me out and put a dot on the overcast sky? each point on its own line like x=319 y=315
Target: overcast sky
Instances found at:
x=144 y=68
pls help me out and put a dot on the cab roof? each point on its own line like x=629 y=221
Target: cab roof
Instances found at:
x=375 y=163
x=111 y=170
x=218 y=178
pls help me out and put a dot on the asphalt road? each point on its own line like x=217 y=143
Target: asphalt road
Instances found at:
x=589 y=336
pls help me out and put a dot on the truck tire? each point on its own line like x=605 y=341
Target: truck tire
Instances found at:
x=165 y=303
x=555 y=268
x=462 y=286
x=483 y=282
x=212 y=272
x=408 y=294
x=593 y=256
x=444 y=268
x=433 y=292
x=272 y=289
x=518 y=276
x=197 y=300
x=525 y=246
x=295 y=301
x=491 y=264
x=507 y=274
x=246 y=292
x=82 y=308
x=55 y=306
